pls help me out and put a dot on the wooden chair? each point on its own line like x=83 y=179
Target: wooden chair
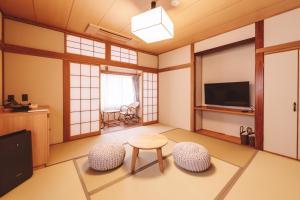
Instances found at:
x=129 y=113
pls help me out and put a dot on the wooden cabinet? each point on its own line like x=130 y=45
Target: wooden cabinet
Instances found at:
x=37 y=123
x=281 y=103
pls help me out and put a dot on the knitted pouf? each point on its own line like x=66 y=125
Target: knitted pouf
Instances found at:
x=106 y=156
x=191 y=156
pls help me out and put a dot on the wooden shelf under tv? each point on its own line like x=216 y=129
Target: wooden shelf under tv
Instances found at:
x=224 y=110
x=220 y=136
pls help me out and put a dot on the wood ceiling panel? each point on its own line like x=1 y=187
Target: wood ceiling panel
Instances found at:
x=232 y=18
x=123 y=11
x=194 y=20
x=87 y=11
x=22 y=9
x=54 y=12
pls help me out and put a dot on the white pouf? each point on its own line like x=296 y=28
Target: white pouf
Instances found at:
x=191 y=156
x=106 y=156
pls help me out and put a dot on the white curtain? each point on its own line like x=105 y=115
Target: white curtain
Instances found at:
x=116 y=90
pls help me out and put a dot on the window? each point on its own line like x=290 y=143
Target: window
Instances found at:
x=85 y=47
x=84 y=99
x=116 y=90
x=123 y=55
x=149 y=97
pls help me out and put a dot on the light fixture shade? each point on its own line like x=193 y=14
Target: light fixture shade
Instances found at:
x=153 y=25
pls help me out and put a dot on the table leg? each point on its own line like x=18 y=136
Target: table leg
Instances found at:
x=107 y=119
x=160 y=159
x=135 y=152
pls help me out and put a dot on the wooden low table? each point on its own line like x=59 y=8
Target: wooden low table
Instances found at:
x=147 y=142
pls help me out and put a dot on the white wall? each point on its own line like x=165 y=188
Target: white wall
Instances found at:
x=282 y=28
x=175 y=98
x=176 y=57
x=40 y=78
x=33 y=36
x=175 y=89
x=147 y=60
x=231 y=65
x=240 y=34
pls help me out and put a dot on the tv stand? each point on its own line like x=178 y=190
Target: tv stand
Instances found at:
x=225 y=110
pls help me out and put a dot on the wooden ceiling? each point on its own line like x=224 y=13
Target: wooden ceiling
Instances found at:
x=194 y=20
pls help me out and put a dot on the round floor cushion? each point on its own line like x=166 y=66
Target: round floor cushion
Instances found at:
x=106 y=156
x=191 y=156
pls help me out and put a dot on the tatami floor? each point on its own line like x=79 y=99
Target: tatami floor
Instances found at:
x=237 y=173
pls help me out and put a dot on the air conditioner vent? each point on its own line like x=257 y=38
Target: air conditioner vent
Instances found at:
x=103 y=33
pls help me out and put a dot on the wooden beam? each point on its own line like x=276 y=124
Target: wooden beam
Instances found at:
x=72 y=57
x=26 y=21
x=279 y=48
x=193 y=96
x=226 y=46
x=66 y=101
x=259 y=86
x=175 y=67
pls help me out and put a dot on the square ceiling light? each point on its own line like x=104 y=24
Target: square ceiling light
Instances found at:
x=153 y=25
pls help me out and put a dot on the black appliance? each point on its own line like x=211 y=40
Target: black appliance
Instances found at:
x=227 y=94
x=16 y=160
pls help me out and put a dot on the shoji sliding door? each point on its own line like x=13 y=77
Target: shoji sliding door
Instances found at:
x=150 y=96
x=84 y=100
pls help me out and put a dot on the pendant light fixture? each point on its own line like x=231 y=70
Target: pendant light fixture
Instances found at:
x=153 y=25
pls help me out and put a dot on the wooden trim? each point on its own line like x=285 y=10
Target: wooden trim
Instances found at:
x=66 y=100
x=193 y=96
x=2 y=43
x=84 y=136
x=3 y=97
x=175 y=67
x=131 y=66
x=220 y=136
x=72 y=57
x=142 y=104
x=31 y=51
x=259 y=86
x=224 y=110
x=87 y=36
x=279 y=48
x=119 y=73
x=226 y=46
x=298 y=60
x=149 y=123
x=157 y=98
x=107 y=52
x=277 y=154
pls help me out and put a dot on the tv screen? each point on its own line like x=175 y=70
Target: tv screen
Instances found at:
x=227 y=94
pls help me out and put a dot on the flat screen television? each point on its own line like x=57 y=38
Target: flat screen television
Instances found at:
x=227 y=94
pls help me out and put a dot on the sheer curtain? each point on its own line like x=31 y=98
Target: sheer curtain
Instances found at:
x=116 y=90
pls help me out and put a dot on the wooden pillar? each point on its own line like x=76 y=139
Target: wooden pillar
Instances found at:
x=192 y=114
x=259 y=86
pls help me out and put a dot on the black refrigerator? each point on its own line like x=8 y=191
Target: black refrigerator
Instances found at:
x=15 y=159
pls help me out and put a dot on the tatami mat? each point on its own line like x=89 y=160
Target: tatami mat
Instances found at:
x=233 y=153
x=261 y=176
x=98 y=180
x=77 y=148
x=59 y=182
x=268 y=177
x=174 y=183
